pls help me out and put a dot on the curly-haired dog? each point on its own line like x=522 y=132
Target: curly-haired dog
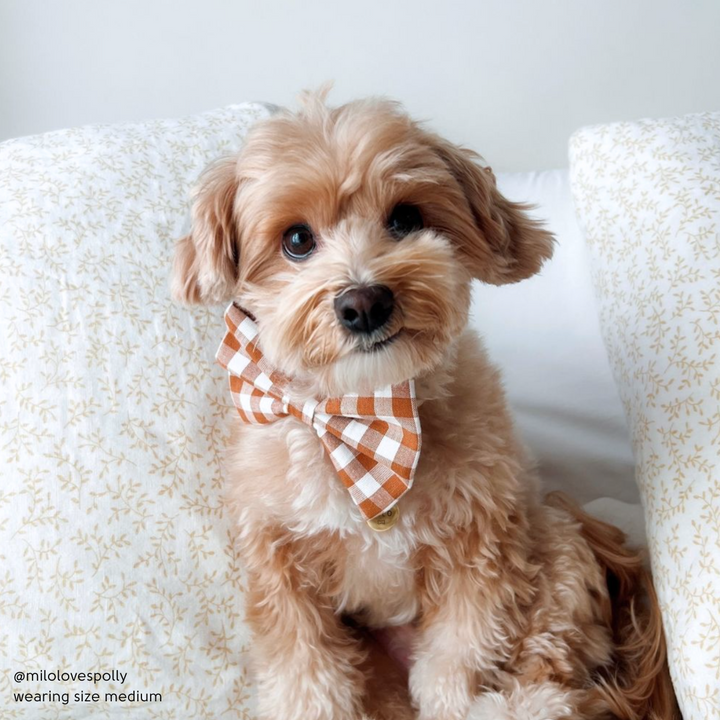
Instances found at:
x=348 y=239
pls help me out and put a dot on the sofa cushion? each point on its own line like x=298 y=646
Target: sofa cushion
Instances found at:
x=648 y=197
x=115 y=545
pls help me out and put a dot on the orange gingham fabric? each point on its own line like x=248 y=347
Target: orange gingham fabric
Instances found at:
x=373 y=441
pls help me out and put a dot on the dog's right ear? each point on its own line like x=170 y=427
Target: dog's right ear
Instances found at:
x=205 y=269
x=505 y=243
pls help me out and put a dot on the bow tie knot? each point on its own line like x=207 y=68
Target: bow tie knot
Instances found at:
x=307 y=413
x=373 y=441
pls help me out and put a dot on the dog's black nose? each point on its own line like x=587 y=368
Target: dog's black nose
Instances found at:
x=364 y=309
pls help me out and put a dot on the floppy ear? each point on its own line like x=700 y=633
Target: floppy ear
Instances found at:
x=205 y=269
x=505 y=245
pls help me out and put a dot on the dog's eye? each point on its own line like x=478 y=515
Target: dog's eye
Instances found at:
x=298 y=242
x=403 y=220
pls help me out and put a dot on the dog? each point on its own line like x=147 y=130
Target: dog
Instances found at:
x=348 y=239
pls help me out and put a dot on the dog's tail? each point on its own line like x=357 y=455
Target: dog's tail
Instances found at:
x=638 y=687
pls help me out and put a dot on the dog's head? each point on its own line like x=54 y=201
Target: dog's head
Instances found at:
x=352 y=235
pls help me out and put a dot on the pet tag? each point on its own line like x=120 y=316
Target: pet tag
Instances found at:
x=386 y=520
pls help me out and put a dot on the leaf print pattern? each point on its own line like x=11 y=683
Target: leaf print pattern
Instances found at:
x=648 y=196
x=116 y=547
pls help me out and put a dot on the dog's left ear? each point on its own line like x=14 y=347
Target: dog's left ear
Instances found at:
x=205 y=269
x=504 y=244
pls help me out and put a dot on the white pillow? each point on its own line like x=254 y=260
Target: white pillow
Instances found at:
x=648 y=197
x=544 y=334
x=115 y=546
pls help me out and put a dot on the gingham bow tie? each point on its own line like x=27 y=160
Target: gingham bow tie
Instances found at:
x=373 y=441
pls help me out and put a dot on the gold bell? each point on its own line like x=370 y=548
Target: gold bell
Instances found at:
x=386 y=520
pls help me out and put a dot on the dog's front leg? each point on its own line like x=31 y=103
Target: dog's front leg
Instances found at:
x=441 y=683
x=463 y=636
x=306 y=660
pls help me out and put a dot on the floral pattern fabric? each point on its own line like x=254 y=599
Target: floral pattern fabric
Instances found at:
x=115 y=547
x=648 y=196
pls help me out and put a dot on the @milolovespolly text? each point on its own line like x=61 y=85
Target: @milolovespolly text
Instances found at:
x=70 y=676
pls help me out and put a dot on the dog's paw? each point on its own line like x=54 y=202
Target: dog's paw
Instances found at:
x=546 y=701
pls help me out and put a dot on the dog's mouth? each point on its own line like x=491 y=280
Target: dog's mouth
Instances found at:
x=380 y=344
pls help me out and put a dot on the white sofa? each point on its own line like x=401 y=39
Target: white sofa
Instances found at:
x=115 y=544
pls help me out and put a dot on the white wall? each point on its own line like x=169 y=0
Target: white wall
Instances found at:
x=511 y=78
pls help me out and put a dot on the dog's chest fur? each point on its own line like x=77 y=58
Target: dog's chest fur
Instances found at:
x=281 y=477
x=375 y=571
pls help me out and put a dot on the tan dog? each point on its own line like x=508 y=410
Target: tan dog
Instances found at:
x=352 y=235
